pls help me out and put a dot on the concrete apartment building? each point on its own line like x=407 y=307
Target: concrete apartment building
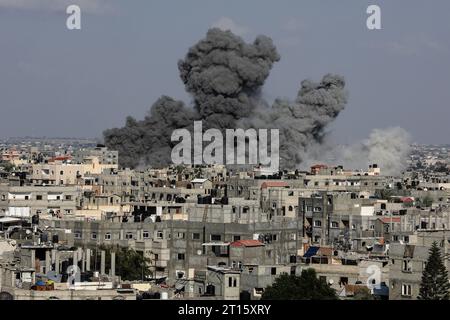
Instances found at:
x=103 y=154
x=408 y=260
x=60 y=173
x=27 y=201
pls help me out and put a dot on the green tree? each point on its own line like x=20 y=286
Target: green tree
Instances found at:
x=435 y=285
x=304 y=287
x=384 y=194
x=427 y=201
x=130 y=264
x=7 y=166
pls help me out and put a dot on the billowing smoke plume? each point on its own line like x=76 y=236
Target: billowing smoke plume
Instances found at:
x=389 y=148
x=302 y=122
x=148 y=141
x=224 y=75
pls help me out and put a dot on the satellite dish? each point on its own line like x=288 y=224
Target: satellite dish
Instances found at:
x=199 y=252
x=331 y=281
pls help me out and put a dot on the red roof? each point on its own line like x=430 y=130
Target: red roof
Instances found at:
x=61 y=158
x=247 y=243
x=319 y=166
x=389 y=220
x=406 y=199
x=269 y=184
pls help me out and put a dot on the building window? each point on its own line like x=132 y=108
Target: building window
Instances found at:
x=93 y=235
x=129 y=236
x=108 y=236
x=334 y=224
x=317 y=209
x=291 y=208
x=406 y=290
x=39 y=197
x=180 y=235
x=273 y=271
x=159 y=235
x=317 y=223
x=181 y=256
x=69 y=197
x=145 y=235
x=343 y=281
x=77 y=235
x=196 y=236
x=232 y=282
x=407 y=266
x=216 y=237
x=236 y=238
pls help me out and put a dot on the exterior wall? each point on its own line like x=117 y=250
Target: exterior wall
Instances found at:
x=406 y=265
x=39 y=200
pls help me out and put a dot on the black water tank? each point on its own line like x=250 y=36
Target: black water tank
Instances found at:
x=245 y=295
x=210 y=290
x=44 y=237
x=35 y=219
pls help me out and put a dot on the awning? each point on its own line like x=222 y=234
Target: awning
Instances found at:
x=216 y=244
x=8 y=220
x=179 y=286
x=312 y=251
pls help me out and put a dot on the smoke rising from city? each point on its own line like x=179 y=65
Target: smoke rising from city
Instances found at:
x=225 y=76
x=389 y=148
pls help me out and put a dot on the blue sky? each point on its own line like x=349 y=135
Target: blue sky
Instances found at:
x=56 y=82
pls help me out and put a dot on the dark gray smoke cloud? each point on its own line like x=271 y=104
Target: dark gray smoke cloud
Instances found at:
x=302 y=122
x=225 y=75
x=148 y=141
